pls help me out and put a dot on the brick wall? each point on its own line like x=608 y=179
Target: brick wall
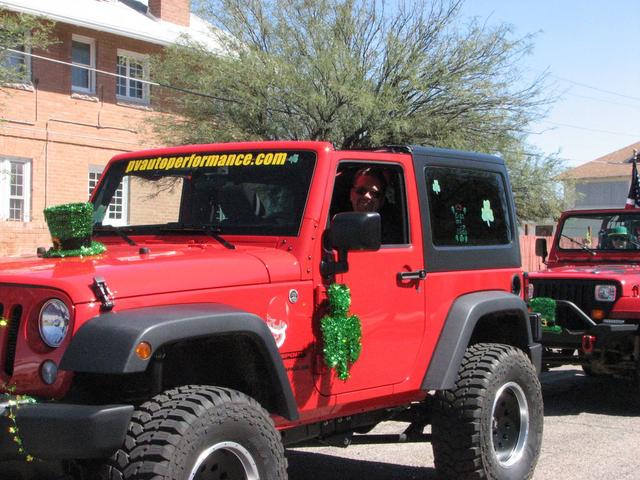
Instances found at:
x=154 y=202
x=174 y=11
x=64 y=134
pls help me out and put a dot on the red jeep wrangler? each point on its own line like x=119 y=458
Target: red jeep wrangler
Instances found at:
x=593 y=276
x=192 y=348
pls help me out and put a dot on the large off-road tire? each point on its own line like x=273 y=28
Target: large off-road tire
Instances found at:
x=200 y=433
x=489 y=426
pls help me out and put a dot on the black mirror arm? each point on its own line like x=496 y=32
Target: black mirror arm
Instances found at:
x=330 y=267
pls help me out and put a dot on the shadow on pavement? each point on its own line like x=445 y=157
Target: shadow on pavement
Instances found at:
x=570 y=392
x=316 y=466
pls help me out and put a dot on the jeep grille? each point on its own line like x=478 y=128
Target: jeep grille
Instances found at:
x=580 y=292
x=11 y=340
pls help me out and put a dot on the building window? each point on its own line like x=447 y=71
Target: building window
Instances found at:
x=83 y=55
x=117 y=211
x=132 y=67
x=18 y=64
x=15 y=189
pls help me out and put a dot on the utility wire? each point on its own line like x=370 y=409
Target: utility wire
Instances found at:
x=577 y=127
x=635 y=107
x=598 y=89
x=238 y=102
x=147 y=82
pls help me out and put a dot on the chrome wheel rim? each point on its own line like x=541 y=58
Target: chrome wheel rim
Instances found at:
x=225 y=460
x=509 y=424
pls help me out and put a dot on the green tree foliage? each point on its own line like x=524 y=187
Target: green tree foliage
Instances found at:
x=537 y=193
x=357 y=73
x=20 y=31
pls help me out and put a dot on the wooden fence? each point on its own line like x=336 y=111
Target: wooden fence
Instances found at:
x=531 y=263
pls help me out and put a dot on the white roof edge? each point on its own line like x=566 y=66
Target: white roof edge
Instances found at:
x=91 y=25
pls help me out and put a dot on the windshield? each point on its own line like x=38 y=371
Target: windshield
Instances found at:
x=253 y=193
x=601 y=232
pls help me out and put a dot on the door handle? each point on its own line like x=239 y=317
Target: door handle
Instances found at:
x=415 y=275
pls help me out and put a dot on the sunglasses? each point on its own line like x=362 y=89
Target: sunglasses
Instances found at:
x=363 y=191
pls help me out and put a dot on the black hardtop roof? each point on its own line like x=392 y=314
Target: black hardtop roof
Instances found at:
x=457 y=154
x=437 y=152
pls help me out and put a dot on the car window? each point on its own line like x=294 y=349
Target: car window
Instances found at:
x=467 y=207
x=374 y=187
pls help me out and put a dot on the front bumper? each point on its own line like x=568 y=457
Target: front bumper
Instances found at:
x=59 y=431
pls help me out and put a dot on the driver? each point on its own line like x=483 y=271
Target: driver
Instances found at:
x=619 y=238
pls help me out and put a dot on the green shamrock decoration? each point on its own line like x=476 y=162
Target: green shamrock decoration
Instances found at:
x=436 y=187
x=546 y=307
x=487 y=213
x=341 y=333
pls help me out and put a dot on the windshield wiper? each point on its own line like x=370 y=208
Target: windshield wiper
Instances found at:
x=117 y=230
x=212 y=231
x=580 y=244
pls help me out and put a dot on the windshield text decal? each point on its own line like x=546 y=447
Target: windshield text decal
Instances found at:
x=207 y=161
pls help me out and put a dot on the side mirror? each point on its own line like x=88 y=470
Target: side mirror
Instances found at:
x=541 y=248
x=350 y=231
x=355 y=231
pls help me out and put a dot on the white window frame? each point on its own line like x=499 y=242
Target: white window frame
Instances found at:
x=125 y=199
x=92 y=59
x=144 y=60
x=5 y=188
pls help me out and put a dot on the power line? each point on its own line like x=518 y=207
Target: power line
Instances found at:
x=587 y=129
x=598 y=89
x=238 y=102
x=636 y=107
x=146 y=82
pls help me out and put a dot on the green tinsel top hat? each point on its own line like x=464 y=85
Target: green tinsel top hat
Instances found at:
x=71 y=225
x=619 y=231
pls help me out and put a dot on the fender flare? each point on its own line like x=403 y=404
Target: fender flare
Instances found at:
x=461 y=321
x=106 y=344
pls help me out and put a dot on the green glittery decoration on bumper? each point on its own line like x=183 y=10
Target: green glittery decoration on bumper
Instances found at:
x=71 y=226
x=341 y=333
x=546 y=307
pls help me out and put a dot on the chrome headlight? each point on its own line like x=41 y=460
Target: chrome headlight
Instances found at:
x=53 y=322
x=606 y=293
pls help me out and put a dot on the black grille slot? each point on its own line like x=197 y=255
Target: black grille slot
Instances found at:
x=13 y=330
x=580 y=292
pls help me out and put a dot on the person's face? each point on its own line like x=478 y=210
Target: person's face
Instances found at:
x=619 y=243
x=367 y=194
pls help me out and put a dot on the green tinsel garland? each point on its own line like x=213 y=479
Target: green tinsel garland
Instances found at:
x=546 y=307
x=68 y=223
x=341 y=333
x=14 y=403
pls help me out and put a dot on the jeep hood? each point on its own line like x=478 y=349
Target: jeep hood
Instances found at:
x=167 y=268
x=609 y=270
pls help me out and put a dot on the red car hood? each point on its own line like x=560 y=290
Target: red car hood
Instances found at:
x=610 y=270
x=167 y=268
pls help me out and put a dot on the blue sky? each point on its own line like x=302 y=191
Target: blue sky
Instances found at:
x=582 y=44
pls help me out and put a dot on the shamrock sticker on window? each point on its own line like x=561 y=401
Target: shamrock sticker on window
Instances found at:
x=459 y=212
x=435 y=186
x=487 y=213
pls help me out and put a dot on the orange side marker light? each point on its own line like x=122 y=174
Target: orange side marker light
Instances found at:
x=143 y=350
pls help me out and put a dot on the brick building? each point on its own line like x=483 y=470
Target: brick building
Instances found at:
x=60 y=126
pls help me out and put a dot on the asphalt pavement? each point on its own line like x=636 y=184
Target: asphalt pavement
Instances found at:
x=591 y=432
